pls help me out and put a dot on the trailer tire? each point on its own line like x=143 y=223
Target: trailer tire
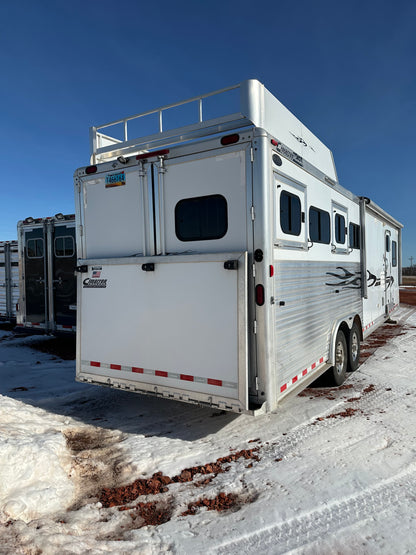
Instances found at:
x=354 y=348
x=337 y=374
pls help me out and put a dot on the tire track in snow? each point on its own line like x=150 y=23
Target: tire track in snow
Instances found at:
x=309 y=527
x=367 y=403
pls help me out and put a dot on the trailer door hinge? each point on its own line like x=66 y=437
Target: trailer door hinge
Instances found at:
x=254 y=270
x=257 y=383
x=81 y=230
x=251 y=154
x=255 y=326
x=253 y=215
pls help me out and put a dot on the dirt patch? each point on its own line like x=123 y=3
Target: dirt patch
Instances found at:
x=222 y=502
x=379 y=338
x=96 y=461
x=327 y=392
x=408 y=295
x=122 y=495
x=149 y=514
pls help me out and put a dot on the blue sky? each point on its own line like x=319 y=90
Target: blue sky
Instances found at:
x=347 y=70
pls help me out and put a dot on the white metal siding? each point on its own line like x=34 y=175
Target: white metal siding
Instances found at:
x=303 y=326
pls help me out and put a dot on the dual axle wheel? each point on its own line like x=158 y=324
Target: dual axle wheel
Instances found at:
x=347 y=354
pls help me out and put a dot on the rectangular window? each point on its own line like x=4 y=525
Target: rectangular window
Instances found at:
x=34 y=248
x=339 y=229
x=201 y=218
x=394 y=253
x=319 y=226
x=354 y=236
x=387 y=243
x=64 y=246
x=290 y=213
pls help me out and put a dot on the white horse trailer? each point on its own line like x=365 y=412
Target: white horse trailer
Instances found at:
x=9 y=280
x=221 y=262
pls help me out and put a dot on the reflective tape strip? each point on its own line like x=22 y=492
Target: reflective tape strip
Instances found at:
x=285 y=386
x=160 y=374
x=66 y=328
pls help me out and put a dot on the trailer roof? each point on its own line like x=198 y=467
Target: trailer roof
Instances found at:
x=255 y=105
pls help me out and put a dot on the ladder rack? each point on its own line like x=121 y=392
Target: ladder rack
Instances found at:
x=105 y=147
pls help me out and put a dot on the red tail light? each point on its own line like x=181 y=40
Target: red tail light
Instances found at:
x=259 y=295
x=151 y=154
x=230 y=139
x=271 y=270
x=91 y=169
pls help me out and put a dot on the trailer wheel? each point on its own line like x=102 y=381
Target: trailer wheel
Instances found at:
x=354 y=348
x=338 y=372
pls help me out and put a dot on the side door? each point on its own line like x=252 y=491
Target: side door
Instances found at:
x=35 y=276
x=388 y=275
x=63 y=262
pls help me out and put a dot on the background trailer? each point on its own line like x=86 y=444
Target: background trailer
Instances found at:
x=47 y=259
x=9 y=280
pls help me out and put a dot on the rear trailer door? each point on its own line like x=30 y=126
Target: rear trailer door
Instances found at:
x=63 y=276
x=35 y=276
x=173 y=326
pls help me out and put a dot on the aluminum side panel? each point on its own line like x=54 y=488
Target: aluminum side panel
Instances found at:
x=316 y=296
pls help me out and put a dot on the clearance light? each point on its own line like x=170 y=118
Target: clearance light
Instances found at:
x=259 y=295
x=271 y=270
x=230 y=139
x=28 y=220
x=91 y=169
x=151 y=154
x=274 y=143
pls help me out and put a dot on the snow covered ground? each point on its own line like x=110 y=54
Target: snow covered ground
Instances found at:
x=331 y=471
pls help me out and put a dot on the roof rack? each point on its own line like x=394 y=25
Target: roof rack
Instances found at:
x=104 y=147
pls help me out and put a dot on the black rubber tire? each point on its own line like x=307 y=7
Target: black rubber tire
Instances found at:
x=354 y=348
x=337 y=374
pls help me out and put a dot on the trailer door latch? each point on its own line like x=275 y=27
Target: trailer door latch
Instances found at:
x=149 y=267
x=231 y=265
x=82 y=269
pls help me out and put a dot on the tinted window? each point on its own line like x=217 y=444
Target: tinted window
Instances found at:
x=64 y=246
x=34 y=248
x=339 y=229
x=319 y=226
x=394 y=253
x=387 y=243
x=354 y=235
x=201 y=218
x=290 y=213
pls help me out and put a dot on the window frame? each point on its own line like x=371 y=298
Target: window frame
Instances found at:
x=340 y=226
x=195 y=238
x=394 y=254
x=320 y=212
x=354 y=232
x=35 y=239
x=291 y=196
x=63 y=237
